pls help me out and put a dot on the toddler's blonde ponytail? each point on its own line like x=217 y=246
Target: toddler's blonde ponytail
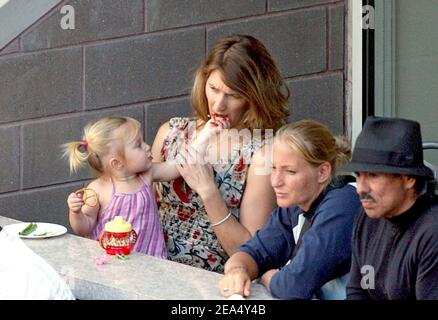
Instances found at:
x=76 y=153
x=97 y=140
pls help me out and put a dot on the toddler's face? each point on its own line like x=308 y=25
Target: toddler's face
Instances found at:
x=138 y=154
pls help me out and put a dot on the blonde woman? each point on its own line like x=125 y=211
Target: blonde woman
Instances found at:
x=304 y=250
x=215 y=208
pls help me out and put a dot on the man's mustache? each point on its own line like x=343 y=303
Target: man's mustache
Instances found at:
x=367 y=196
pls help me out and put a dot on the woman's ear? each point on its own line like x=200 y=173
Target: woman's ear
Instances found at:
x=324 y=172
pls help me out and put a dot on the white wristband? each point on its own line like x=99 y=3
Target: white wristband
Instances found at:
x=222 y=221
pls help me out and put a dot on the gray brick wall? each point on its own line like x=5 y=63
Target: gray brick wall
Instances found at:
x=137 y=58
x=296 y=40
x=142 y=69
x=94 y=20
x=40 y=84
x=9 y=158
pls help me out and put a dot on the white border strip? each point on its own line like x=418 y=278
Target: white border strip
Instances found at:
x=356 y=65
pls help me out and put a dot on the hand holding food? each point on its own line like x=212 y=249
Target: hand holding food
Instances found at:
x=89 y=196
x=212 y=127
x=75 y=202
x=220 y=120
x=84 y=196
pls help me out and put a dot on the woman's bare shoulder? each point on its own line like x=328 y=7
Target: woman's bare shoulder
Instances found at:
x=157 y=145
x=162 y=131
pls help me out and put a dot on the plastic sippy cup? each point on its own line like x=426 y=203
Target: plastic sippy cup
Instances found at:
x=118 y=237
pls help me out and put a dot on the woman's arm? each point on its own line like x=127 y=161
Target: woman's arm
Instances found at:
x=325 y=251
x=267 y=250
x=240 y=269
x=265 y=279
x=257 y=202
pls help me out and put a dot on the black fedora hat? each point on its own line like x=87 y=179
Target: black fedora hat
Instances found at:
x=389 y=145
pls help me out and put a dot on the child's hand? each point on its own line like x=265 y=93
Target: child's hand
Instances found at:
x=220 y=120
x=212 y=127
x=75 y=202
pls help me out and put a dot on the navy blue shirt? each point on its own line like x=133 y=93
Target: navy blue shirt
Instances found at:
x=325 y=250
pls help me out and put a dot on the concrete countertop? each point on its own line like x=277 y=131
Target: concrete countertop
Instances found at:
x=139 y=277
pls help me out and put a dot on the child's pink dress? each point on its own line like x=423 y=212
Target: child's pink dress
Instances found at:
x=139 y=208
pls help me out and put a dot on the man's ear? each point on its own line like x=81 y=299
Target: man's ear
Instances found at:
x=115 y=164
x=324 y=172
x=409 y=181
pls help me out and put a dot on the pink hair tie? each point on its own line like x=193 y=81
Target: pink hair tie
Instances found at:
x=85 y=144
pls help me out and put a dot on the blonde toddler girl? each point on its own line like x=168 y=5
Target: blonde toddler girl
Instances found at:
x=116 y=152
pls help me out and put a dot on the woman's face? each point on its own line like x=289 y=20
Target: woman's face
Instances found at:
x=295 y=181
x=224 y=101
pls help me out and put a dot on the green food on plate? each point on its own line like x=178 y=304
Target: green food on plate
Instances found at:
x=28 y=230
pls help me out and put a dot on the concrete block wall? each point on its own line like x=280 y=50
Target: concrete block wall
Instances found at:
x=137 y=58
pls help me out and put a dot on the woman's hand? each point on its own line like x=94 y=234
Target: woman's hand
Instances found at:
x=236 y=281
x=195 y=171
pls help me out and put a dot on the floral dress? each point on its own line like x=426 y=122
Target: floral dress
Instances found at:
x=187 y=230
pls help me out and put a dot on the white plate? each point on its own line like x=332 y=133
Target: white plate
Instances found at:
x=43 y=230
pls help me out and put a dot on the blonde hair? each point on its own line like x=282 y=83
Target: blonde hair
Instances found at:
x=98 y=138
x=315 y=143
x=247 y=68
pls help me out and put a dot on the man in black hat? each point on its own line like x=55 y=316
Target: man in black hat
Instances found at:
x=395 y=236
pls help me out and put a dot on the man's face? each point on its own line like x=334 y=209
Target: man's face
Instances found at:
x=385 y=195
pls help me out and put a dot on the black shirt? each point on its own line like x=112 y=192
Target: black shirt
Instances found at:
x=402 y=252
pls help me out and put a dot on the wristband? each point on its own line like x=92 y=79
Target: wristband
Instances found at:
x=222 y=221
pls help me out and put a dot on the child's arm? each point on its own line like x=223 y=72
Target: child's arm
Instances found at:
x=211 y=128
x=167 y=171
x=164 y=171
x=83 y=210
